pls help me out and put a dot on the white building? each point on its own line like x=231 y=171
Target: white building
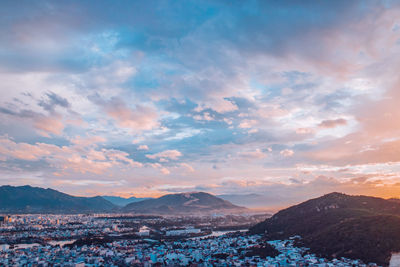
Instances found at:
x=183 y=232
x=144 y=231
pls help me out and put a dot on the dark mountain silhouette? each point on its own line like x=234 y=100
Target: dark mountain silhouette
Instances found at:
x=183 y=203
x=339 y=225
x=27 y=199
x=121 y=201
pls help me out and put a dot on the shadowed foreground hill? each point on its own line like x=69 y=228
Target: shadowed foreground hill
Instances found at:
x=198 y=202
x=339 y=225
x=27 y=199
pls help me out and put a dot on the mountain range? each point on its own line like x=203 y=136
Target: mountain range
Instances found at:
x=183 y=203
x=28 y=199
x=339 y=225
x=121 y=201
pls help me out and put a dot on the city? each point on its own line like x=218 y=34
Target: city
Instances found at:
x=105 y=240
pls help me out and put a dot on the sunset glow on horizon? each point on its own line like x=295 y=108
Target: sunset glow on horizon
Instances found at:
x=285 y=99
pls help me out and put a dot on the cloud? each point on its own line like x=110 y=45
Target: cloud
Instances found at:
x=165 y=171
x=52 y=101
x=24 y=151
x=88 y=141
x=166 y=155
x=222 y=105
x=188 y=167
x=304 y=131
x=375 y=141
x=44 y=124
x=287 y=153
x=143 y=147
x=247 y=124
x=257 y=154
x=205 y=116
x=78 y=158
x=138 y=118
x=332 y=123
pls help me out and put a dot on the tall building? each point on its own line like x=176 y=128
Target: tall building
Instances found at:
x=4 y=219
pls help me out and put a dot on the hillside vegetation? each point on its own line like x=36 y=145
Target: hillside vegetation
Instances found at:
x=339 y=225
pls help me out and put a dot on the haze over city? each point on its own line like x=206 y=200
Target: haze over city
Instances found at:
x=287 y=99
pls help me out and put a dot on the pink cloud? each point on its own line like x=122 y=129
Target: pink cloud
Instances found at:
x=121 y=156
x=138 y=118
x=87 y=141
x=159 y=167
x=48 y=124
x=96 y=155
x=332 y=123
x=357 y=152
x=75 y=158
x=257 y=154
x=376 y=140
x=165 y=171
x=218 y=104
x=304 y=131
x=222 y=105
x=246 y=124
x=24 y=151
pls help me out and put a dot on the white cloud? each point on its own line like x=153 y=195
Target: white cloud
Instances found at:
x=143 y=147
x=287 y=153
x=166 y=155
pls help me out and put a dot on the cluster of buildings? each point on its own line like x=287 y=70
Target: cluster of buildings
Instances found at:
x=43 y=228
x=182 y=232
x=225 y=250
x=5 y=219
x=48 y=240
x=37 y=228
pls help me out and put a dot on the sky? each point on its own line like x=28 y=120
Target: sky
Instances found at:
x=285 y=99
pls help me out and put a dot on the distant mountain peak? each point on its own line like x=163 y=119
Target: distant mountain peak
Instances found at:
x=190 y=202
x=121 y=201
x=335 y=194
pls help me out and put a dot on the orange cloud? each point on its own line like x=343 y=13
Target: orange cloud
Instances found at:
x=376 y=141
